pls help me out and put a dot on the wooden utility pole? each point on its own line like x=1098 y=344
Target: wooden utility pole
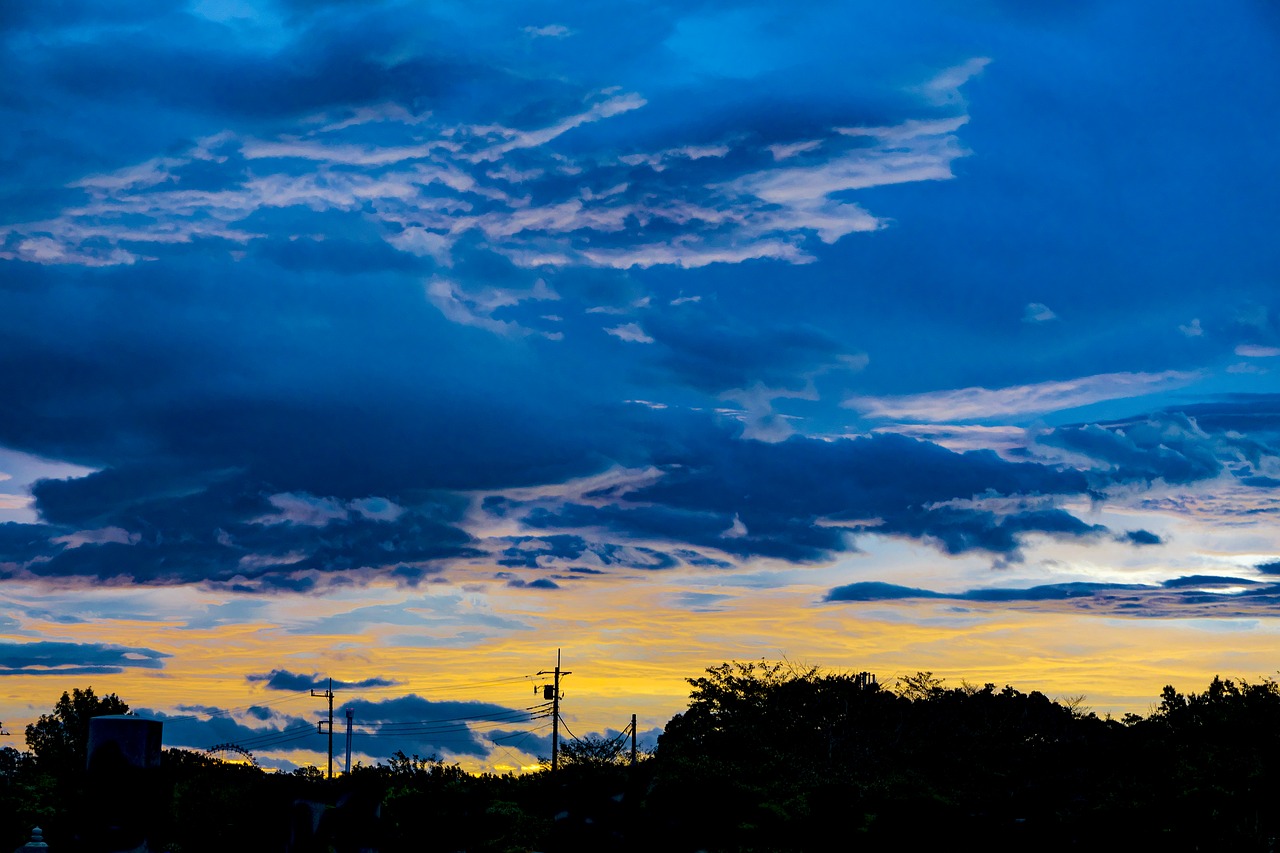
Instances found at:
x=633 y=740
x=328 y=694
x=554 y=690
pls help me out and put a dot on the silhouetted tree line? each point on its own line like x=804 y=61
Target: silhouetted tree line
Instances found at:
x=767 y=757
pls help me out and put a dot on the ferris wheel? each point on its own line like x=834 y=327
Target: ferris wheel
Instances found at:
x=213 y=752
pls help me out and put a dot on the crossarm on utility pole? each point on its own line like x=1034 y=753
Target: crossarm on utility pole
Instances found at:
x=555 y=711
x=328 y=694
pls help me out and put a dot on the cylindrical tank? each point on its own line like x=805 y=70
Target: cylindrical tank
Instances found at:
x=122 y=785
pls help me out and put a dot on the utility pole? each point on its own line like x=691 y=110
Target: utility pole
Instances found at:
x=350 y=715
x=554 y=690
x=633 y=740
x=328 y=694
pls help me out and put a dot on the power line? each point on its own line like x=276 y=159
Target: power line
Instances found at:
x=443 y=729
x=464 y=718
x=571 y=734
x=523 y=737
x=272 y=733
x=227 y=712
x=438 y=726
x=275 y=738
x=445 y=689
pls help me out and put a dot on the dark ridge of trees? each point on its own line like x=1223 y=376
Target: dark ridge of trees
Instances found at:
x=767 y=757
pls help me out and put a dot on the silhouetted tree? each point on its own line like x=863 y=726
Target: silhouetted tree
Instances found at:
x=592 y=751
x=921 y=686
x=60 y=740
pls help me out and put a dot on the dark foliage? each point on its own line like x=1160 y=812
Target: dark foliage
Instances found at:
x=767 y=757
x=59 y=740
x=774 y=758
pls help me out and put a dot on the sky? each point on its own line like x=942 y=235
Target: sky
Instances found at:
x=405 y=343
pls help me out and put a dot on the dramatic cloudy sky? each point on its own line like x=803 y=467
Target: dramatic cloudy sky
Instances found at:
x=405 y=342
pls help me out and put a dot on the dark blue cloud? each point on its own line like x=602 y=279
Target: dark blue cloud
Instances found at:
x=1191 y=596
x=787 y=539
x=211 y=726
x=1170 y=448
x=22 y=542
x=1206 y=580
x=331 y=63
x=428 y=727
x=540 y=583
x=316 y=361
x=193 y=520
x=408 y=723
x=1140 y=538
x=746 y=497
x=701 y=602
x=81 y=13
x=532 y=743
x=530 y=552
x=528 y=742
x=961 y=530
x=283 y=679
x=53 y=658
x=1239 y=435
x=878 y=591
x=1249 y=416
x=697 y=344
x=190 y=528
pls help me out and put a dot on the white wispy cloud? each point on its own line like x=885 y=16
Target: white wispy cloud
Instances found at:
x=1257 y=351
x=630 y=332
x=658 y=161
x=787 y=150
x=692 y=253
x=48 y=250
x=313 y=511
x=98 y=536
x=426 y=184
x=476 y=307
x=1005 y=440
x=761 y=422
x=945 y=88
x=1038 y=312
x=967 y=404
x=1192 y=329
x=350 y=155
x=306 y=510
x=389 y=112
x=532 y=138
x=549 y=31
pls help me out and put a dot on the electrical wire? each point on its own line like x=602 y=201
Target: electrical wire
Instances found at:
x=294 y=696
x=265 y=738
x=505 y=716
x=438 y=689
x=439 y=726
x=457 y=728
x=215 y=713
x=566 y=728
x=523 y=736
